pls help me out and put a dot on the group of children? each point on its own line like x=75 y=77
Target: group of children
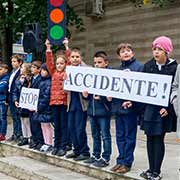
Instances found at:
x=66 y=112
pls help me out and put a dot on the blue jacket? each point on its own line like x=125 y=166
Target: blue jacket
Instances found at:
x=13 y=84
x=101 y=107
x=16 y=95
x=44 y=113
x=4 y=80
x=131 y=65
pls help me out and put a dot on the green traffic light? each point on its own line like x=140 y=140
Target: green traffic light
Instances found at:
x=56 y=32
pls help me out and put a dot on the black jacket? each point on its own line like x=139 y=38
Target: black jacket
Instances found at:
x=152 y=123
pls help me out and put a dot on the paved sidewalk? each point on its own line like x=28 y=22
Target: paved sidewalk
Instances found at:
x=171 y=163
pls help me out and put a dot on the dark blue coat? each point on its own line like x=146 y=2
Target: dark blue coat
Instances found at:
x=35 y=83
x=131 y=65
x=152 y=123
x=4 y=80
x=16 y=95
x=13 y=85
x=44 y=113
x=100 y=107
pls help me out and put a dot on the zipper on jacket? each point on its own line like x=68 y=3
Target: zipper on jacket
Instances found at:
x=106 y=107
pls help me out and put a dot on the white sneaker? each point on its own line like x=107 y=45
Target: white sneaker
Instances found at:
x=46 y=148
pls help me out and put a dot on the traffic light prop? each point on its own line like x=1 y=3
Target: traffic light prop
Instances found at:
x=56 y=21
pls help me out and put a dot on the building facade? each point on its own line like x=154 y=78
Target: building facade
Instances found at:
x=123 y=22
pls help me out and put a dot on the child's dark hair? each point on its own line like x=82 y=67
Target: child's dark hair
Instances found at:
x=76 y=49
x=101 y=54
x=18 y=58
x=122 y=46
x=37 y=63
x=5 y=66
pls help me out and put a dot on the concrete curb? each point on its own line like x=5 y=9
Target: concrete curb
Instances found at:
x=7 y=149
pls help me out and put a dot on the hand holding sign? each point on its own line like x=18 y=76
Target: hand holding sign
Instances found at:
x=29 y=98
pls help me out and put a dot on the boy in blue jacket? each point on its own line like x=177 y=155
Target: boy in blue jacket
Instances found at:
x=99 y=112
x=4 y=79
x=125 y=115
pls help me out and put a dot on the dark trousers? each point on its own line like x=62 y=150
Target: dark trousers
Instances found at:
x=156 y=151
x=17 y=131
x=100 y=128
x=60 y=126
x=3 y=118
x=126 y=129
x=77 y=126
x=36 y=131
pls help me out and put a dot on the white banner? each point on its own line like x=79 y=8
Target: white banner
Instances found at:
x=135 y=86
x=29 y=98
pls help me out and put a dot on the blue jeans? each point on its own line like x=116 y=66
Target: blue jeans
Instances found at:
x=3 y=119
x=77 y=126
x=60 y=126
x=100 y=128
x=126 y=129
x=17 y=131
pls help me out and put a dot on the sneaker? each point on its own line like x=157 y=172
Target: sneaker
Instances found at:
x=2 y=137
x=68 y=147
x=91 y=160
x=81 y=157
x=61 y=152
x=12 y=138
x=54 y=151
x=155 y=176
x=101 y=163
x=146 y=174
x=38 y=147
x=72 y=155
x=46 y=148
x=23 y=142
x=32 y=145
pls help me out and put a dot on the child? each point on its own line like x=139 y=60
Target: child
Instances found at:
x=44 y=113
x=16 y=62
x=23 y=81
x=4 y=78
x=125 y=115
x=37 y=137
x=175 y=99
x=158 y=119
x=58 y=100
x=77 y=116
x=99 y=111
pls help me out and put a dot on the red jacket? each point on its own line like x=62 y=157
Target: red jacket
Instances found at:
x=58 y=95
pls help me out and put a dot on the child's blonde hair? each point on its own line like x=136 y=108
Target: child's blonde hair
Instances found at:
x=61 y=56
x=27 y=73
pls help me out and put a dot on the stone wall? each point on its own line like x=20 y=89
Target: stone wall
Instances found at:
x=123 y=22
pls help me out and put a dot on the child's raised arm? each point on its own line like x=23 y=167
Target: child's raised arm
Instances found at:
x=49 y=58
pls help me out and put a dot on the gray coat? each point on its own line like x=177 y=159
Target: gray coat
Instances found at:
x=175 y=97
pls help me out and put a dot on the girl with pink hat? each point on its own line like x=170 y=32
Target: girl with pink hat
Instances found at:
x=158 y=120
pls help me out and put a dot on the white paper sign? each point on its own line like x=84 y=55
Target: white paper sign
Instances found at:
x=135 y=86
x=29 y=98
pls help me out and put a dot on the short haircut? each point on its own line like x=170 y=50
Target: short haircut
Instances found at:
x=76 y=49
x=5 y=66
x=37 y=63
x=122 y=46
x=18 y=58
x=101 y=54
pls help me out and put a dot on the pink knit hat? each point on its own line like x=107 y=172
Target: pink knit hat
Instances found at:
x=164 y=43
